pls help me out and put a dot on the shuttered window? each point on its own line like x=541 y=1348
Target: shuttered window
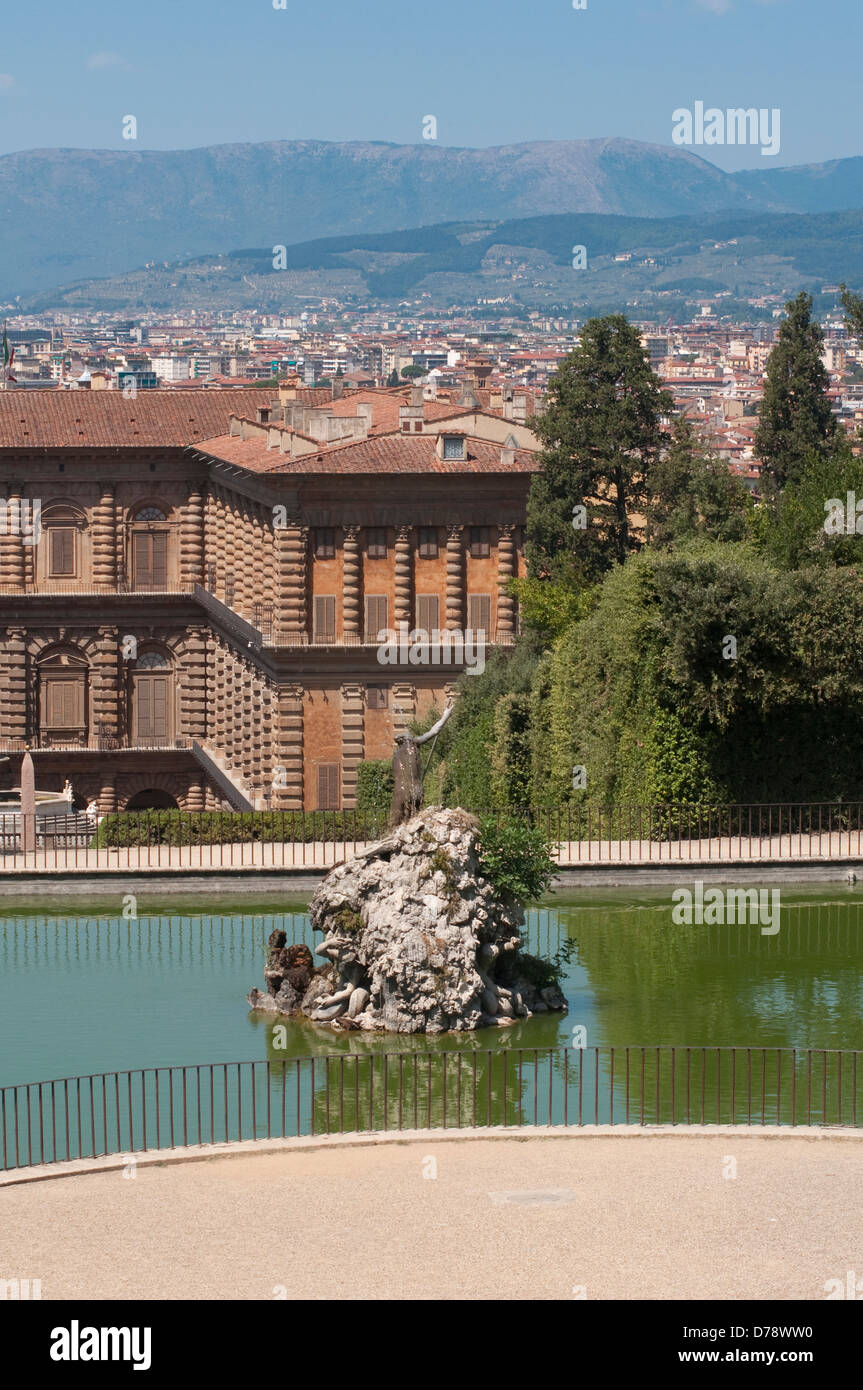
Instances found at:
x=152 y=706
x=325 y=618
x=428 y=612
x=325 y=543
x=377 y=697
x=62 y=551
x=479 y=542
x=150 y=559
x=376 y=616
x=479 y=613
x=428 y=543
x=376 y=547
x=64 y=703
x=328 y=787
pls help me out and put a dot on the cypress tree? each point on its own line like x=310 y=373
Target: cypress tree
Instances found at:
x=796 y=421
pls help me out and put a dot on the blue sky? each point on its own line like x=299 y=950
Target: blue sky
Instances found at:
x=200 y=72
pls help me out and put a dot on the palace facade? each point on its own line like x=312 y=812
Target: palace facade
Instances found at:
x=192 y=583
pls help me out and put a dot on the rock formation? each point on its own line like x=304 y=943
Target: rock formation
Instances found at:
x=416 y=940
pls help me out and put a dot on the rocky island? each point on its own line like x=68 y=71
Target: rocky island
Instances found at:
x=416 y=939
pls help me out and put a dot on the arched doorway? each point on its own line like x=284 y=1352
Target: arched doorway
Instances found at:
x=152 y=799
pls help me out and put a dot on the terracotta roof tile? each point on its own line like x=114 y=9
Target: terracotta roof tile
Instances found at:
x=53 y=419
x=387 y=454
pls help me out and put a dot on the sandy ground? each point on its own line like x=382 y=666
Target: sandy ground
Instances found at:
x=533 y=1218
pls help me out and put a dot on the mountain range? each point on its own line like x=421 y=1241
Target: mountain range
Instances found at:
x=662 y=265
x=76 y=214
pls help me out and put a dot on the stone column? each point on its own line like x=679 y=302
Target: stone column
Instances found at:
x=288 y=791
x=196 y=795
x=104 y=540
x=106 y=685
x=404 y=577
x=292 y=560
x=352 y=582
x=505 y=572
x=454 y=578
x=13 y=699
x=353 y=740
x=12 y=542
x=192 y=677
x=221 y=552
x=108 y=794
x=192 y=538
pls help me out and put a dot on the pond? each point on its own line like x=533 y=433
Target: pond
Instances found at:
x=92 y=993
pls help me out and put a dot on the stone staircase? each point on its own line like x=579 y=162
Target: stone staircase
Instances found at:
x=232 y=784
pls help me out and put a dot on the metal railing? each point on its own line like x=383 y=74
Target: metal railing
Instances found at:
x=129 y=1112
x=691 y=837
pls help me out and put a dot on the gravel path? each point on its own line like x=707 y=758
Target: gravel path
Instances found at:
x=621 y=1217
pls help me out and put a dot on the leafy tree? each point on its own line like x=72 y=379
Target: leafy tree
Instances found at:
x=603 y=436
x=799 y=529
x=693 y=493
x=393 y=378
x=796 y=420
x=853 y=306
x=413 y=371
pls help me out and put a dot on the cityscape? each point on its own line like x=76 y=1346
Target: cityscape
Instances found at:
x=431 y=701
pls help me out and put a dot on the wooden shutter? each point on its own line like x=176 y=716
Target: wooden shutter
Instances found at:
x=428 y=543
x=64 y=699
x=428 y=612
x=325 y=618
x=160 y=559
x=479 y=613
x=150 y=559
x=376 y=697
x=479 y=542
x=153 y=704
x=62 y=551
x=328 y=787
x=376 y=616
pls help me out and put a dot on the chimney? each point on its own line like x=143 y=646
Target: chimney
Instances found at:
x=338 y=388
x=507 y=453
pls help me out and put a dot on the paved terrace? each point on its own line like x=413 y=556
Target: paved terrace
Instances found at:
x=529 y=1217
x=788 y=848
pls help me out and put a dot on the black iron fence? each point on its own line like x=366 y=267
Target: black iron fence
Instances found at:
x=772 y=832
x=120 y=1113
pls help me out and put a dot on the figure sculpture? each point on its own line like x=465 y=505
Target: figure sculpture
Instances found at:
x=407 y=774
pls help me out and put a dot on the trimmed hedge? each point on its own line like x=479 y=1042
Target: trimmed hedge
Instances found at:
x=131 y=828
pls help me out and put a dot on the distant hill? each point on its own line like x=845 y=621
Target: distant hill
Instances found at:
x=74 y=214
x=665 y=264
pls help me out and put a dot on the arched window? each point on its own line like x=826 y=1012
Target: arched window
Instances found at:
x=63 y=696
x=63 y=528
x=152 y=698
x=148 y=559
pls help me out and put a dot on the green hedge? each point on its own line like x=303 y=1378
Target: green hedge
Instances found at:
x=375 y=785
x=235 y=827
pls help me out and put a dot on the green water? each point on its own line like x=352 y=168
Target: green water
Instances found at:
x=92 y=992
